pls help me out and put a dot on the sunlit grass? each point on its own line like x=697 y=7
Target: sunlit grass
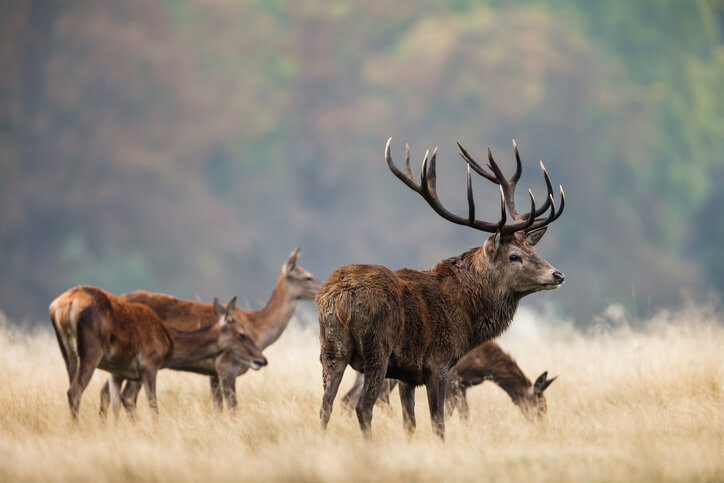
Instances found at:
x=629 y=405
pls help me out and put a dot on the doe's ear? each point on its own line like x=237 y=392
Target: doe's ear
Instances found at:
x=219 y=309
x=231 y=306
x=534 y=236
x=542 y=383
x=492 y=244
x=291 y=262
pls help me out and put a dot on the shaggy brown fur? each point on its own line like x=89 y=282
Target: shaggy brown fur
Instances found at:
x=97 y=330
x=263 y=326
x=415 y=325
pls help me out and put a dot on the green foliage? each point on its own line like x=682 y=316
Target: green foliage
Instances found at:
x=187 y=147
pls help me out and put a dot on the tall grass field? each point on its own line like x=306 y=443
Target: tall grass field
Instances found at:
x=644 y=404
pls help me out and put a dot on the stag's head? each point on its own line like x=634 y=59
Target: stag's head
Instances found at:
x=234 y=340
x=301 y=285
x=533 y=404
x=508 y=256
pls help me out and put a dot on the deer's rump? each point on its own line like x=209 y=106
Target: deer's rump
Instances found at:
x=369 y=311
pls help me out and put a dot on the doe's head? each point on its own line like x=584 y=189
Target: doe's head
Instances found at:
x=534 y=403
x=301 y=285
x=234 y=340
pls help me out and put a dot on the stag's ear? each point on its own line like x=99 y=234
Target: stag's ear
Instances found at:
x=291 y=262
x=534 y=236
x=491 y=245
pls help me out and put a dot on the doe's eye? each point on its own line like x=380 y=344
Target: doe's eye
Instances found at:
x=515 y=258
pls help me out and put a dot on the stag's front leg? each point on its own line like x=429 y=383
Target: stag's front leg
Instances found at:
x=407 y=399
x=435 y=386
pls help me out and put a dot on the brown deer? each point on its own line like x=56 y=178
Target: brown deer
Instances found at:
x=414 y=325
x=263 y=326
x=487 y=362
x=97 y=330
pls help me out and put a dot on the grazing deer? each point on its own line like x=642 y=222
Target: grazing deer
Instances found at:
x=97 y=330
x=487 y=362
x=263 y=326
x=414 y=325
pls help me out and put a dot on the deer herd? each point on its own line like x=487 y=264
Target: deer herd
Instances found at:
x=404 y=328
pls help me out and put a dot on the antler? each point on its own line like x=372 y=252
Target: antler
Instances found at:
x=428 y=190
x=507 y=185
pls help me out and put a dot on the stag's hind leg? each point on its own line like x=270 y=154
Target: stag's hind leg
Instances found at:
x=375 y=360
x=332 y=372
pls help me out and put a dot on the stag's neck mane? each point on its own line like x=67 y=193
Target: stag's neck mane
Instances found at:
x=489 y=306
x=190 y=346
x=269 y=322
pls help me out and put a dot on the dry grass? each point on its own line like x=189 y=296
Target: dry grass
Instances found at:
x=629 y=405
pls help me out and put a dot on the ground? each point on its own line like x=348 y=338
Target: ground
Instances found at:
x=636 y=405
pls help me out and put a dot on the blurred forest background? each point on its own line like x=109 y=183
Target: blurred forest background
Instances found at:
x=188 y=146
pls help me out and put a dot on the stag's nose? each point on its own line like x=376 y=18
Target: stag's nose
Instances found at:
x=558 y=277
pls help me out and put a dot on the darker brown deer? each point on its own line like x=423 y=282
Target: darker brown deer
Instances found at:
x=414 y=325
x=263 y=326
x=97 y=330
x=487 y=362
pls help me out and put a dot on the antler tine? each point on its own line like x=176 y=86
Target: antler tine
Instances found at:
x=404 y=178
x=474 y=164
x=428 y=190
x=408 y=171
x=423 y=174
x=471 y=202
x=553 y=214
x=526 y=223
x=507 y=184
x=518 y=164
x=549 y=188
x=503 y=218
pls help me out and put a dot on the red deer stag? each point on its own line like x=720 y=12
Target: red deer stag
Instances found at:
x=414 y=325
x=487 y=362
x=263 y=326
x=97 y=330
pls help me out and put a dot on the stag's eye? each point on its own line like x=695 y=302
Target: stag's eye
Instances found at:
x=515 y=258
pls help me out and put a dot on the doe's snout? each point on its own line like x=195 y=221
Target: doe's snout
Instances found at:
x=558 y=277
